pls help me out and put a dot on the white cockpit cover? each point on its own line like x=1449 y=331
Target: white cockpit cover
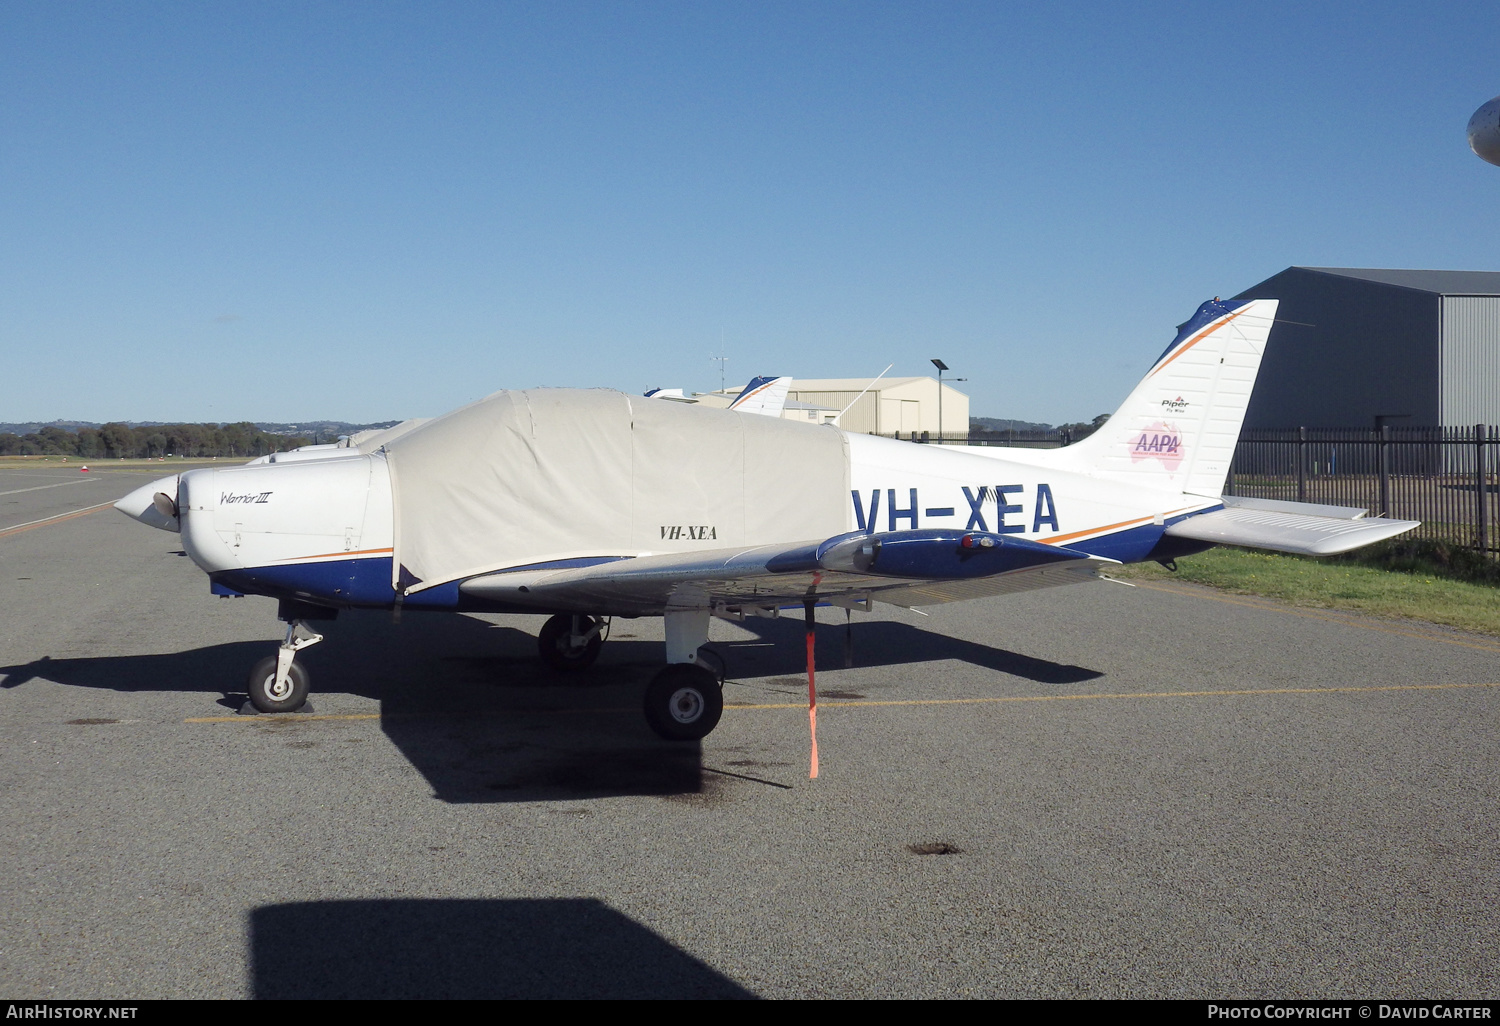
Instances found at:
x=369 y=441
x=537 y=476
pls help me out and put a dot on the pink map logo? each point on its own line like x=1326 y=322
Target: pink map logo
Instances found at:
x=1160 y=441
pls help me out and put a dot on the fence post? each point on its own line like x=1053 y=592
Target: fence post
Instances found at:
x=1302 y=464
x=1480 y=486
x=1229 y=478
x=1385 y=470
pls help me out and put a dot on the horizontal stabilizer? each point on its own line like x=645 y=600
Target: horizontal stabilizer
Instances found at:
x=1311 y=509
x=1281 y=531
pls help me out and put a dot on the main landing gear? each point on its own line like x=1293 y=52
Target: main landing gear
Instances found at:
x=686 y=698
x=683 y=701
x=278 y=684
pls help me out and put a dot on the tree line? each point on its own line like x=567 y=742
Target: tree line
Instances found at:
x=115 y=441
x=1013 y=430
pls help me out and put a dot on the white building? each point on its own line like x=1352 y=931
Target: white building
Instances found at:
x=892 y=406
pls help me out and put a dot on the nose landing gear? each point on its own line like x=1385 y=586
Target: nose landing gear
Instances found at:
x=277 y=684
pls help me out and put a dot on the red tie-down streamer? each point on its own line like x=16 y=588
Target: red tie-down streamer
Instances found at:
x=812 y=688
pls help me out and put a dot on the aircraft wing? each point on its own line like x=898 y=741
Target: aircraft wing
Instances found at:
x=1275 y=526
x=905 y=568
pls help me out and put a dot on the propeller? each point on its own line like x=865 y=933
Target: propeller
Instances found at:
x=165 y=505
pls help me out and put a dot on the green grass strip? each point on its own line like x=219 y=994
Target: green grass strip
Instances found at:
x=1330 y=584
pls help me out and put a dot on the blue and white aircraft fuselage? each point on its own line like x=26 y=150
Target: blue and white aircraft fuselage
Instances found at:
x=587 y=505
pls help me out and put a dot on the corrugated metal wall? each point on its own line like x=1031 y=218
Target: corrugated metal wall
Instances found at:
x=862 y=418
x=1470 y=360
x=1345 y=350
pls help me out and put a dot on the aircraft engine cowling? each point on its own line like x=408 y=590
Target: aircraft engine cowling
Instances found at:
x=285 y=514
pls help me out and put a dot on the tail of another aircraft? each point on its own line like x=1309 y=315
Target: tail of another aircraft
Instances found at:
x=763 y=395
x=1179 y=427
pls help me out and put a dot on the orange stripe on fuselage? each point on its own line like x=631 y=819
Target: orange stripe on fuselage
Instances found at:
x=1190 y=343
x=1110 y=527
x=1094 y=530
x=328 y=555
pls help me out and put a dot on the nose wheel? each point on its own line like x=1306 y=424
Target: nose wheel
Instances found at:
x=278 y=684
x=270 y=695
x=684 y=702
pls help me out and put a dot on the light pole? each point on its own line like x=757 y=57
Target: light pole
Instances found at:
x=941 y=366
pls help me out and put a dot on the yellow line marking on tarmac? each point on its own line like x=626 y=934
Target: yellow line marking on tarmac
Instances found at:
x=1122 y=694
x=1349 y=619
x=297 y=717
x=59 y=518
x=996 y=700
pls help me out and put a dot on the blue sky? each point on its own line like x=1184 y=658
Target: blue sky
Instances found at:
x=366 y=211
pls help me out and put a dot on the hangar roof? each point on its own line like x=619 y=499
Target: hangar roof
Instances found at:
x=849 y=384
x=1447 y=283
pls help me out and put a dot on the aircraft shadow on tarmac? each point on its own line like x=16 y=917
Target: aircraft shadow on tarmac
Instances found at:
x=457 y=948
x=483 y=720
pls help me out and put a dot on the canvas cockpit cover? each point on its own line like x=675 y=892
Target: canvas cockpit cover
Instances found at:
x=549 y=475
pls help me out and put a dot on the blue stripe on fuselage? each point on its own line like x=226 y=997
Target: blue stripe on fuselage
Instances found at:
x=1128 y=546
x=362 y=583
x=1133 y=544
x=348 y=583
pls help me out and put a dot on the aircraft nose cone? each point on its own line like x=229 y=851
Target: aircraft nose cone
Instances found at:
x=142 y=504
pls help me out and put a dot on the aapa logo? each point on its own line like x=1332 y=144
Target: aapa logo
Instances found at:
x=1161 y=441
x=1174 y=405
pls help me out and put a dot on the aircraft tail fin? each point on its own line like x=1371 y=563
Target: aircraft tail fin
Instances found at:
x=764 y=395
x=1179 y=427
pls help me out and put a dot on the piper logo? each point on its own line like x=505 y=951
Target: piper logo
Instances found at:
x=1174 y=405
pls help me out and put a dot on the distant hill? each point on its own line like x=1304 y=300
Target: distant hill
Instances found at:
x=151 y=439
x=31 y=427
x=1018 y=430
x=327 y=430
x=999 y=424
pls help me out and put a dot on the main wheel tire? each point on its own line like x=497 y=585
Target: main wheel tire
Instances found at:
x=684 y=702
x=262 y=687
x=556 y=651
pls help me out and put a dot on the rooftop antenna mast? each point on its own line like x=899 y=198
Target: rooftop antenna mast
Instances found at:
x=721 y=359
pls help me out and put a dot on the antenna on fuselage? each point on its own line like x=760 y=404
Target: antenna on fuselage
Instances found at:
x=861 y=395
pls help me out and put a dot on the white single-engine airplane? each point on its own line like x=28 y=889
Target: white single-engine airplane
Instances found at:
x=588 y=504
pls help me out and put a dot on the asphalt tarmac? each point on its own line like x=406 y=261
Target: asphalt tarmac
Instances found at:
x=1097 y=791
